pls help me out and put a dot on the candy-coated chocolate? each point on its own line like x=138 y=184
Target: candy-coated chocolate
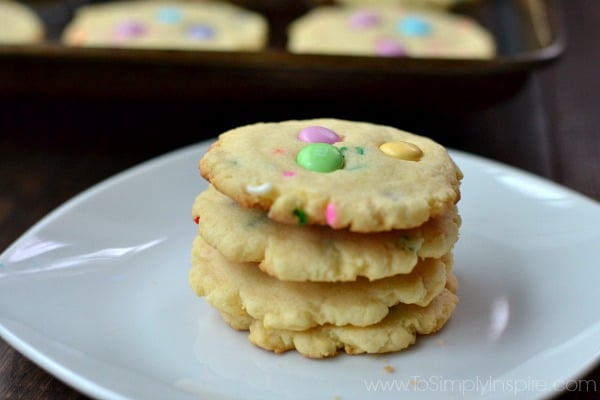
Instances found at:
x=402 y=151
x=318 y=134
x=169 y=15
x=130 y=29
x=389 y=48
x=320 y=157
x=363 y=19
x=201 y=31
x=415 y=26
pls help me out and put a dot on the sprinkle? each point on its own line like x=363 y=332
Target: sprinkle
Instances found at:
x=289 y=173
x=78 y=37
x=259 y=189
x=301 y=215
x=278 y=151
x=197 y=219
x=330 y=214
x=357 y=149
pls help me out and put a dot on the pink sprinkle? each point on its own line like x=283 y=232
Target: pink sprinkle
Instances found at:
x=330 y=214
x=289 y=173
x=278 y=151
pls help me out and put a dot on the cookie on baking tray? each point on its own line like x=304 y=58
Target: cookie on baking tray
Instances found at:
x=243 y=289
x=389 y=31
x=19 y=24
x=411 y=3
x=342 y=174
x=317 y=253
x=177 y=24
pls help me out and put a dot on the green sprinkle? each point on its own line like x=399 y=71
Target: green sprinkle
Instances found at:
x=412 y=244
x=360 y=150
x=301 y=215
x=343 y=150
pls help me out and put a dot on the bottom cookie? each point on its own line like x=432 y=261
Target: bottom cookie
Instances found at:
x=397 y=331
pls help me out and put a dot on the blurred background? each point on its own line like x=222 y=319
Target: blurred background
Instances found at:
x=71 y=117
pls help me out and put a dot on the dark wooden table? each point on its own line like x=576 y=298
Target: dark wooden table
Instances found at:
x=53 y=147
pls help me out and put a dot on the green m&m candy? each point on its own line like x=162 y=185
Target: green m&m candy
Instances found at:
x=320 y=157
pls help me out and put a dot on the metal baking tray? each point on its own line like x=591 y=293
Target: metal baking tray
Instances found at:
x=529 y=35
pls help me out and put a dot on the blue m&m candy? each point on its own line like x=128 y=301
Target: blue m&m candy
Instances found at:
x=414 y=25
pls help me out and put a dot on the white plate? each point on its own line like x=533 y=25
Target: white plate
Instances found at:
x=97 y=294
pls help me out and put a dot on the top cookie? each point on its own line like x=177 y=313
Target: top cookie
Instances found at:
x=345 y=174
x=19 y=24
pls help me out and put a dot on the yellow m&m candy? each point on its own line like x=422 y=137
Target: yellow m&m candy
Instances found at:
x=402 y=151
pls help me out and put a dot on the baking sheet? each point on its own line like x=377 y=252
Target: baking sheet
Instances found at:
x=528 y=33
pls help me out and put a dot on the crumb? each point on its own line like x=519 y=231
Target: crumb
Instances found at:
x=389 y=369
x=441 y=342
x=413 y=382
x=337 y=398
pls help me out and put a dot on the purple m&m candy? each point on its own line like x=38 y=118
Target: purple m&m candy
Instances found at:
x=318 y=134
x=201 y=31
x=129 y=29
x=363 y=19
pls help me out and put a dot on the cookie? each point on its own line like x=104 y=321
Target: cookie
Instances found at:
x=397 y=331
x=243 y=289
x=190 y=25
x=411 y=3
x=317 y=253
x=19 y=24
x=343 y=174
x=389 y=32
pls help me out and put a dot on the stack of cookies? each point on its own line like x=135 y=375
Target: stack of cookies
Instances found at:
x=326 y=235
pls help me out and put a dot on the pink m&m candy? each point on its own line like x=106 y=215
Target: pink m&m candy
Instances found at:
x=363 y=19
x=389 y=48
x=129 y=29
x=318 y=134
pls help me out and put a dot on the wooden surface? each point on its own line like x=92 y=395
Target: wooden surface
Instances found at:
x=53 y=147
